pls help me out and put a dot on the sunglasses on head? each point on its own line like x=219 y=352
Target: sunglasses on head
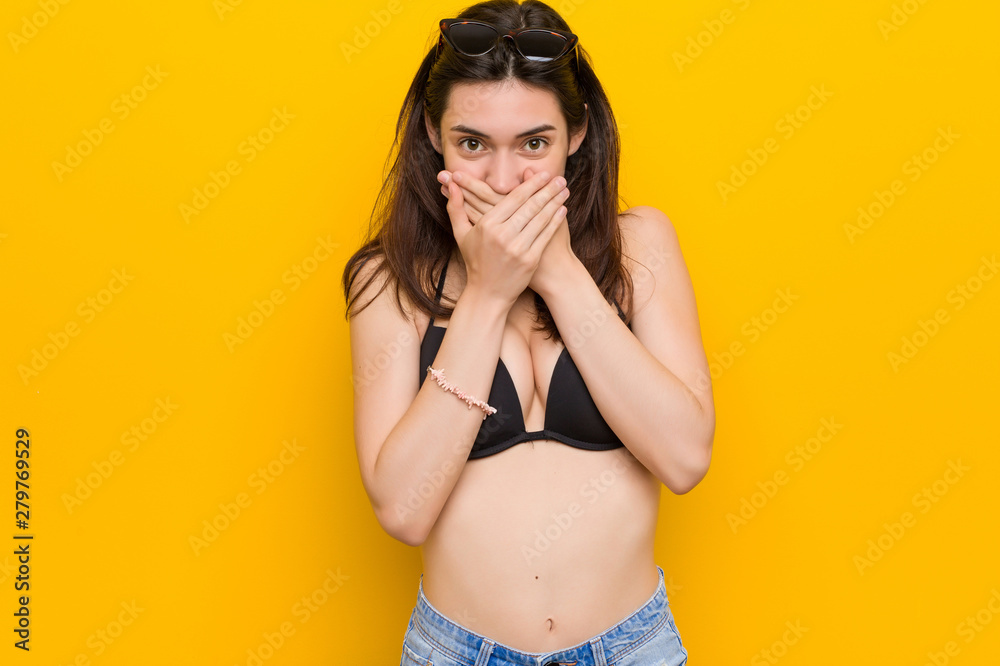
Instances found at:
x=476 y=38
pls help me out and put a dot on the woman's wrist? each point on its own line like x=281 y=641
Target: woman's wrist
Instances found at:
x=560 y=280
x=482 y=305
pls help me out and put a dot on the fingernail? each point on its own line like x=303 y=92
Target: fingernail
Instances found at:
x=458 y=177
x=443 y=178
x=560 y=182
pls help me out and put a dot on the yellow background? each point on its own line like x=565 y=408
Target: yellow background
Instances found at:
x=685 y=127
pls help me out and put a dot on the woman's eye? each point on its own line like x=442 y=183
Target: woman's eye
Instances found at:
x=470 y=141
x=534 y=145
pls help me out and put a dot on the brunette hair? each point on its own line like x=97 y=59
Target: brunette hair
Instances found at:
x=410 y=226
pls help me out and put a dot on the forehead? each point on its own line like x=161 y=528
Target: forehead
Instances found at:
x=501 y=108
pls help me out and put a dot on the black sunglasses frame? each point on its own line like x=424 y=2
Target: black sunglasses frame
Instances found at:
x=571 y=41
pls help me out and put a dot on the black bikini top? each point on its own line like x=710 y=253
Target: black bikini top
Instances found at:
x=571 y=417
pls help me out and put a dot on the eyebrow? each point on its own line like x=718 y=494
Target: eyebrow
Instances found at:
x=468 y=130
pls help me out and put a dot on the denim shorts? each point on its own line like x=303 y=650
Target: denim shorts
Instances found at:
x=646 y=637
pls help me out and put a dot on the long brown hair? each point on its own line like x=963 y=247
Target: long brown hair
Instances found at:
x=410 y=226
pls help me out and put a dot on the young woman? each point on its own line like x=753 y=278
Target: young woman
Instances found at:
x=538 y=372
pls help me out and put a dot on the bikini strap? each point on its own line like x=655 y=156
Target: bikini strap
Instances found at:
x=440 y=289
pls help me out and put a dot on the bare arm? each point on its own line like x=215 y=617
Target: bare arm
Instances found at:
x=413 y=443
x=668 y=419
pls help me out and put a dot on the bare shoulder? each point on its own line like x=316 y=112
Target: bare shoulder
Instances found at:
x=385 y=360
x=665 y=313
x=649 y=245
x=374 y=288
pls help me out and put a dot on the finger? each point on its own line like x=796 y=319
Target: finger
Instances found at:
x=540 y=203
x=537 y=224
x=477 y=191
x=444 y=177
x=475 y=207
x=514 y=199
x=460 y=224
x=550 y=229
x=473 y=214
x=474 y=211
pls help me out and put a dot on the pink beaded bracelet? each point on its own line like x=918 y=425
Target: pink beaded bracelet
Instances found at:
x=438 y=375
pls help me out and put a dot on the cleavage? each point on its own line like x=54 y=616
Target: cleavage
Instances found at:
x=518 y=352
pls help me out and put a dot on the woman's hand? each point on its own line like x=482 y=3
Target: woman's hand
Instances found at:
x=479 y=198
x=502 y=250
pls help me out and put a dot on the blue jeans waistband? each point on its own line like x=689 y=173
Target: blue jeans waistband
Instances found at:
x=465 y=645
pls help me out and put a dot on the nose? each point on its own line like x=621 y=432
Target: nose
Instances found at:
x=503 y=175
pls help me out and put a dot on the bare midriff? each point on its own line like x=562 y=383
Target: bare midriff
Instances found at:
x=543 y=545
x=511 y=558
